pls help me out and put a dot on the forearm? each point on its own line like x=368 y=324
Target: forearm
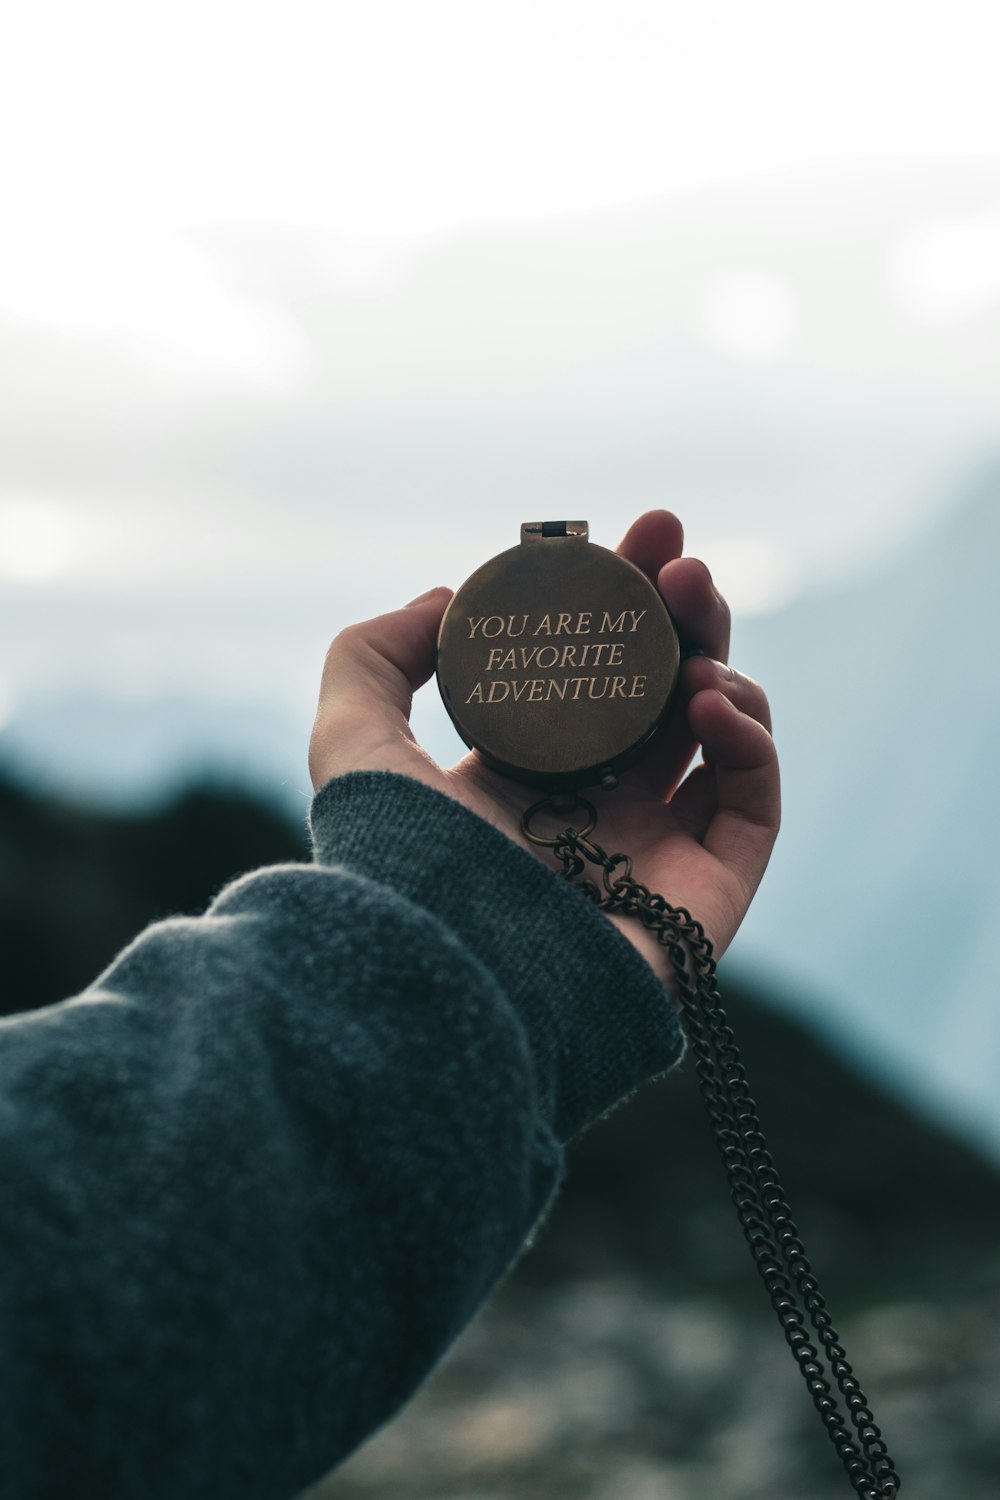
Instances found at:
x=259 y=1177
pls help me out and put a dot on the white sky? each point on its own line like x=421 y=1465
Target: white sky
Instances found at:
x=389 y=120
x=316 y=299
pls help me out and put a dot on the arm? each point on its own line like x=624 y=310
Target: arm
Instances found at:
x=260 y=1175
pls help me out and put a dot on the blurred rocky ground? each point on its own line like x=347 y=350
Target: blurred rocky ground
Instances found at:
x=608 y=1390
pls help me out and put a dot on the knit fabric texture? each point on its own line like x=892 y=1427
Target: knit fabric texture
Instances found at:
x=261 y=1173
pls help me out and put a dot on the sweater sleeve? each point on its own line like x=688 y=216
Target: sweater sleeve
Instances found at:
x=257 y=1178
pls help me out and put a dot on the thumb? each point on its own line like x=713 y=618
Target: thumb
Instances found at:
x=379 y=664
x=371 y=672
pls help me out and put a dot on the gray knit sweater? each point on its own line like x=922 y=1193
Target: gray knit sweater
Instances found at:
x=257 y=1178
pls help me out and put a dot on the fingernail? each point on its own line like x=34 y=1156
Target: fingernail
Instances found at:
x=421 y=598
x=722 y=669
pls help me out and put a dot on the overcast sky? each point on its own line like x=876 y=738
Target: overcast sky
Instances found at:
x=304 y=308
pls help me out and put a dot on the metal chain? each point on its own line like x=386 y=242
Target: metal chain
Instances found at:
x=754 y=1185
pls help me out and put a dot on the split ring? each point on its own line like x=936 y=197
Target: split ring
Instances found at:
x=559 y=806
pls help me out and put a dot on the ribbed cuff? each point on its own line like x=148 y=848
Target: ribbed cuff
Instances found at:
x=598 y=1020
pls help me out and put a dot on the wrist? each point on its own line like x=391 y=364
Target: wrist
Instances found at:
x=593 y=1012
x=650 y=948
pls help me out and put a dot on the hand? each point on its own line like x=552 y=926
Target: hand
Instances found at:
x=702 y=840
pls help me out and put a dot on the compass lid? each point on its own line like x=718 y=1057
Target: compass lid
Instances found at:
x=557 y=659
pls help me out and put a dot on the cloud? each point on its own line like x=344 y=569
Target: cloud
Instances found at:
x=750 y=315
x=946 y=270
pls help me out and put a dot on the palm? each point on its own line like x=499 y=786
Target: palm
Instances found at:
x=661 y=838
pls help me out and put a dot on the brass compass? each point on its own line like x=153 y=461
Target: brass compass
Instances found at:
x=557 y=659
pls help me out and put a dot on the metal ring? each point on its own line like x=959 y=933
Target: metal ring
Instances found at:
x=548 y=804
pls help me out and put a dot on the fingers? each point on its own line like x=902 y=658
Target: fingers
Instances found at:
x=698 y=609
x=654 y=543
x=700 y=674
x=654 y=539
x=370 y=675
x=732 y=803
x=702 y=619
x=695 y=802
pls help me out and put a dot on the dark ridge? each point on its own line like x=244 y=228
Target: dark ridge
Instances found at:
x=887 y=1203
x=76 y=884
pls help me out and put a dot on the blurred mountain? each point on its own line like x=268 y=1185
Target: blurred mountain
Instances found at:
x=77 y=884
x=126 y=752
x=877 y=917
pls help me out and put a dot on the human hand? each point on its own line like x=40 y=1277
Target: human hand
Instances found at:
x=702 y=840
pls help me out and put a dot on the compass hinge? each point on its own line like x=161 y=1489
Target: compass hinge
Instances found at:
x=537 y=531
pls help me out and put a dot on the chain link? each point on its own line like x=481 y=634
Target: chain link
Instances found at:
x=754 y=1185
